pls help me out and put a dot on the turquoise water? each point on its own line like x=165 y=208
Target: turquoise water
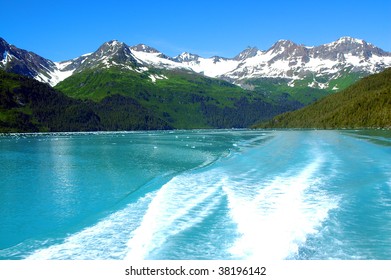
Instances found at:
x=208 y=194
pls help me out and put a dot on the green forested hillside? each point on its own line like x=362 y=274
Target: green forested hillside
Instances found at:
x=112 y=100
x=185 y=100
x=27 y=105
x=365 y=104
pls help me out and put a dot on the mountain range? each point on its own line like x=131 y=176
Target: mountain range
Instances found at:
x=121 y=87
x=330 y=66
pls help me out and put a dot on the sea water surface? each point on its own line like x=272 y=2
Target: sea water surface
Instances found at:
x=206 y=194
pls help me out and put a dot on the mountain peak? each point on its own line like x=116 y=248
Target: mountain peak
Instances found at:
x=247 y=53
x=186 y=57
x=144 y=48
x=347 y=39
x=350 y=41
x=113 y=45
x=283 y=44
x=110 y=53
x=348 y=45
x=286 y=49
x=114 y=42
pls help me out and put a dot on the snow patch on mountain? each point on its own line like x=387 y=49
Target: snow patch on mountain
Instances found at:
x=157 y=59
x=211 y=67
x=54 y=77
x=155 y=77
x=5 y=54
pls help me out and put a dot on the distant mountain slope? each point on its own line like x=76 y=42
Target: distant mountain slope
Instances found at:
x=27 y=105
x=366 y=104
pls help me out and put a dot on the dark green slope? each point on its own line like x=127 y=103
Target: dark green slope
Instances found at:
x=365 y=104
x=27 y=105
x=185 y=100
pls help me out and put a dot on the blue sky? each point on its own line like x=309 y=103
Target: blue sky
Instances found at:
x=61 y=30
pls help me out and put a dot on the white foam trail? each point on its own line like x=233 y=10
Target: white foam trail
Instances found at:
x=105 y=240
x=274 y=223
x=178 y=205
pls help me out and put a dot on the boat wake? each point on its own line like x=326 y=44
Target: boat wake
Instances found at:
x=276 y=221
x=229 y=207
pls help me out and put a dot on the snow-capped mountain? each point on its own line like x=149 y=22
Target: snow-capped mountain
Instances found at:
x=285 y=59
x=109 y=54
x=29 y=64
